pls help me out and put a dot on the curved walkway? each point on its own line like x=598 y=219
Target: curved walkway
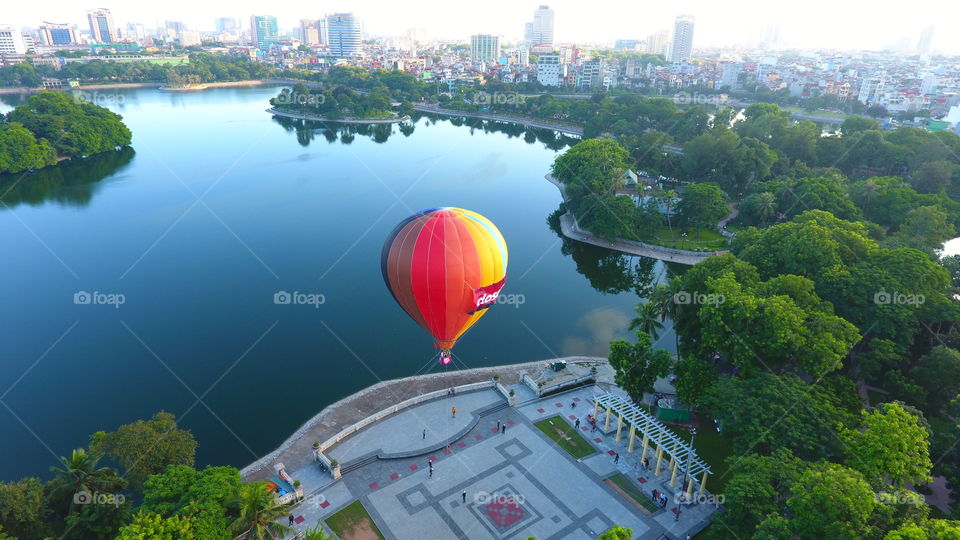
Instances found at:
x=312 y=118
x=570 y=229
x=528 y=122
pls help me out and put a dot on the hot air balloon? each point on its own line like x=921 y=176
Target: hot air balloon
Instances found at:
x=445 y=267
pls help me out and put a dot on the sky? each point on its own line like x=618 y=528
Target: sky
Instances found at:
x=831 y=24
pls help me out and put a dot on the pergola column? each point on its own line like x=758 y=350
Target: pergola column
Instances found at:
x=646 y=444
x=633 y=436
x=690 y=488
x=656 y=472
x=606 y=423
x=619 y=425
x=673 y=475
x=596 y=410
x=703 y=483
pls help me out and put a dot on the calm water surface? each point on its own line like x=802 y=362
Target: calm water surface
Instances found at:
x=217 y=208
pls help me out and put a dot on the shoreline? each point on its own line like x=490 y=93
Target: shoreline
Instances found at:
x=158 y=85
x=311 y=118
x=572 y=230
x=296 y=450
x=526 y=122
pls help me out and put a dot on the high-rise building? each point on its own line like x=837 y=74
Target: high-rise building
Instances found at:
x=136 y=31
x=729 y=75
x=682 y=44
x=484 y=48
x=102 y=29
x=188 y=38
x=226 y=24
x=58 y=34
x=264 y=31
x=344 y=34
x=540 y=31
x=310 y=31
x=11 y=41
x=657 y=43
x=175 y=27
x=550 y=72
x=926 y=40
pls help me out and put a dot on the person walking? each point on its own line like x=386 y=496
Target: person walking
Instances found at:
x=464 y=495
x=577 y=424
x=503 y=429
x=454 y=412
x=616 y=458
x=498 y=425
x=290 y=519
x=424 y=434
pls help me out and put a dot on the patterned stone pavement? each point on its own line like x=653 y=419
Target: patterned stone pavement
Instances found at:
x=517 y=484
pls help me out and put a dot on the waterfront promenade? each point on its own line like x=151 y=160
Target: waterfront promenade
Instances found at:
x=565 y=128
x=570 y=229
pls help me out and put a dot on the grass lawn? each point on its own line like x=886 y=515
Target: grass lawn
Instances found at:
x=565 y=436
x=633 y=491
x=713 y=448
x=354 y=523
x=696 y=240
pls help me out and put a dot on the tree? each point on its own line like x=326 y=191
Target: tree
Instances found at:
x=938 y=373
x=926 y=228
x=316 y=533
x=597 y=164
x=96 y=521
x=758 y=487
x=74 y=128
x=203 y=496
x=22 y=508
x=616 y=533
x=257 y=513
x=769 y=412
x=858 y=124
x=701 y=206
x=891 y=447
x=147 y=526
x=648 y=319
x=932 y=176
x=695 y=377
x=20 y=150
x=147 y=447
x=831 y=501
x=80 y=473
x=638 y=365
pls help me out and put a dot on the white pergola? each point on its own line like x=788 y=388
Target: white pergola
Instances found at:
x=663 y=440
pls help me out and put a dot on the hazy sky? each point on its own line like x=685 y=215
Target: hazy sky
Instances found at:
x=810 y=23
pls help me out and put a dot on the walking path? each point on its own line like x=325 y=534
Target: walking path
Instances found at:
x=570 y=229
x=314 y=118
x=568 y=129
x=496 y=484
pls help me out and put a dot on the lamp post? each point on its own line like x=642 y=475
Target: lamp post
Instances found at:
x=686 y=469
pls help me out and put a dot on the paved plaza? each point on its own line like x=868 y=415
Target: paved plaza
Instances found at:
x=518 y=483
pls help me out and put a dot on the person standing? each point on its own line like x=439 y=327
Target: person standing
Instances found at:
x=290 y=519
x=454 y=412
x=498 y=425
x=577 y=424
x=464 y=495
x=503 y=429
x=616 y=458
x=424 y=434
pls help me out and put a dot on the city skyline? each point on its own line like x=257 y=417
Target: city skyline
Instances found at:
x=742 y=23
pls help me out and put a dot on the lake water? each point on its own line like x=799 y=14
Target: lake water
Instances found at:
x=216 y=209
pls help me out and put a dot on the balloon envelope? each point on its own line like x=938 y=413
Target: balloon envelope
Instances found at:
x=445 y=267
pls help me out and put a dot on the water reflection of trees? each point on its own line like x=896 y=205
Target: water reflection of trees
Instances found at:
x=307 y=131
x=71 y=183
x=612 y=272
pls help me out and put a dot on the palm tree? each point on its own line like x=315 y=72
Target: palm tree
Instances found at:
x=316 y=533
x=870 y=190
x=648 y=319
x=80 y=473
x=258 y=513
x=766 y=206
x=665 y=297
x=669 y=199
